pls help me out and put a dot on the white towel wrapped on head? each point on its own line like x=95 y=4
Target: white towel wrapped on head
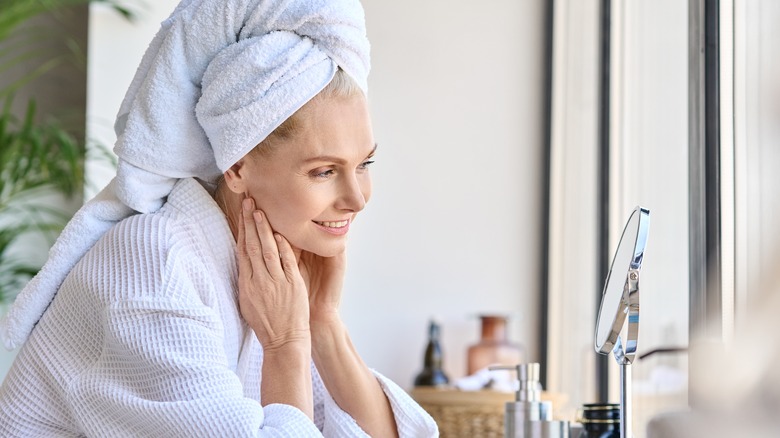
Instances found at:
x=235 y=116
x=218 y=77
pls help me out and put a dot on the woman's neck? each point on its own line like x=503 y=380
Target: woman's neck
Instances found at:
x=230 y=204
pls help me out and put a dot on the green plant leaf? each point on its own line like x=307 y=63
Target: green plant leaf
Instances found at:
x=15 y=12
x=38 y=155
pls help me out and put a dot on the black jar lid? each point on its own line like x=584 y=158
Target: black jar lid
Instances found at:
x=601 y=413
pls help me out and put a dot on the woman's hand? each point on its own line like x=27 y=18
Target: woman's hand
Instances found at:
x=324 y=278
x=272 y=299
x=271 y=291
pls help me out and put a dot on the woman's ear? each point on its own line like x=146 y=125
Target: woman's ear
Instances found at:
x=234 y=178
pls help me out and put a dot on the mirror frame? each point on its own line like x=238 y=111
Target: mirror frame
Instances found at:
x=625 y=351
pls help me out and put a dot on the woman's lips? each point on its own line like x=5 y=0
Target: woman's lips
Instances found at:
x=336 y=227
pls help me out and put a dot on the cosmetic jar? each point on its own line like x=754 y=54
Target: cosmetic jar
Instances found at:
x=600 y=420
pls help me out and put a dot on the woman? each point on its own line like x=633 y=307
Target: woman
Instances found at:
x=244 y=143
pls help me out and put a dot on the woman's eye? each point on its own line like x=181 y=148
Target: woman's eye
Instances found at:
x=323 y=173
x=328 y=172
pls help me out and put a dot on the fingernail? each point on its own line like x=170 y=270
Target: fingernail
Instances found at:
x=247 y=203
x=278 y=237
x=258 y=216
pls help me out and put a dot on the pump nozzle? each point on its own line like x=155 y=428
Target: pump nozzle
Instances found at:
x=529 y=388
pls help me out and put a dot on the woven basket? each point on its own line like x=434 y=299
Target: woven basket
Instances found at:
x=468 y=414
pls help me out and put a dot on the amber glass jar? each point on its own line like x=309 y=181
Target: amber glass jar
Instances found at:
x=493 y=347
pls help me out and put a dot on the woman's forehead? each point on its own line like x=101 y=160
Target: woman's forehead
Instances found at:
x=331 y=127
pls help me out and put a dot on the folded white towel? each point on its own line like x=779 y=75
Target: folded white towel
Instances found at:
x=218 y=77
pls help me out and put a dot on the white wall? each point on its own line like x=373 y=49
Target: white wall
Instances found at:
x=453 y=227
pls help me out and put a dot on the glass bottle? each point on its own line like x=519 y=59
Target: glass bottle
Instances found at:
x=432 y=373
x=493 y=348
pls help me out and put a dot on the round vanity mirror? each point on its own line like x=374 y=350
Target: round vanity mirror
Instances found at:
x=620 y=297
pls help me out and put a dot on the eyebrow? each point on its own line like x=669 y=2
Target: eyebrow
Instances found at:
x=337 y=160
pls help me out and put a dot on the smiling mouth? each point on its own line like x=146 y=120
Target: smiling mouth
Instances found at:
x=339 y=224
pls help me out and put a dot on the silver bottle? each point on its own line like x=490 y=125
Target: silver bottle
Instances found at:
x=528 y=416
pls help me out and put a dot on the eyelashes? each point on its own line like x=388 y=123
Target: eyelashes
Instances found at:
x=326 y=173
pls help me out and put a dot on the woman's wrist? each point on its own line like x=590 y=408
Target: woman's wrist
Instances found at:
x=290 y=344
x=289 y=364
x=327 y=333
x=324 y=320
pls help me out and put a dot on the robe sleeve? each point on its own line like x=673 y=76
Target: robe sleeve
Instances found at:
x=412 y=421
x=163 y=371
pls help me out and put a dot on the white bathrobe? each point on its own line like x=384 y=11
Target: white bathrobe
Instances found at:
x=144 y=338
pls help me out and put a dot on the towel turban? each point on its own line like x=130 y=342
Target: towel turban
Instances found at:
x=219 y=77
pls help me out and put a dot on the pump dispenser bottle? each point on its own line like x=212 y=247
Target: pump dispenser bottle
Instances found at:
x=528 y=416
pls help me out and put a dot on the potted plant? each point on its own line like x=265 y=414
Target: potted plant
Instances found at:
x=40 y=159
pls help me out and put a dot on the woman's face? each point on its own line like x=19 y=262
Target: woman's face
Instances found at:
x=312 y=185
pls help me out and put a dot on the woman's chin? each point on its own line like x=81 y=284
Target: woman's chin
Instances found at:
x=330 y=249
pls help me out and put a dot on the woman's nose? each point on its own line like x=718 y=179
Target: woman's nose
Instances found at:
x=352 y=196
